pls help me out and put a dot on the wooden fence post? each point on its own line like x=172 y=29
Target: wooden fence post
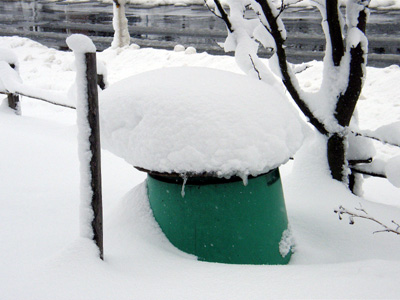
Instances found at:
x=89 y=139
x=13 y=103
x=13 y=99
x=95 y=148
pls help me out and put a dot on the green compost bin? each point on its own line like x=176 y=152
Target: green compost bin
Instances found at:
x=220 y=220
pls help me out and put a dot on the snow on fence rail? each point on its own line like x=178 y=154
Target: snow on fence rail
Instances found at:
x=14 y=89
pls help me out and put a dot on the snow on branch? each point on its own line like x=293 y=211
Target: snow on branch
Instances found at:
x=362 y=214
x=387 y=134
x=270 y=31
x=379 y=168
x=269 y=18
x=242 y=39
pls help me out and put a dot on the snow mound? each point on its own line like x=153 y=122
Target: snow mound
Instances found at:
x=392 y=170
x=199 y=120
x=9 y=57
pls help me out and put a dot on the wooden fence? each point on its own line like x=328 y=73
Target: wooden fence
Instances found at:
x=92 y=81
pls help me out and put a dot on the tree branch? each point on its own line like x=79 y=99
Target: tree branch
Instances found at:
x=224 y=16
x=348 y=100
x=283 y=6
x=335 y=31
x=254 y=67
x=353 y=162
x=369 y=173
x=282 y=60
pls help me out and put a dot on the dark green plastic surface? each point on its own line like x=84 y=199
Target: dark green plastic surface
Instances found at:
x=223 y=222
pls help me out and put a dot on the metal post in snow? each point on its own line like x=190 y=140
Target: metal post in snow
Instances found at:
x=88 y=138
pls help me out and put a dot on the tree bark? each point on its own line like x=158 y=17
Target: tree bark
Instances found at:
x=347 y=101
x=336 y=156
x=335 y=31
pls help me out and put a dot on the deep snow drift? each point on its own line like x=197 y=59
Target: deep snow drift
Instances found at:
x=43 y=258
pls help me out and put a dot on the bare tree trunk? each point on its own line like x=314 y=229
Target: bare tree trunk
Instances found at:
x=335 y=31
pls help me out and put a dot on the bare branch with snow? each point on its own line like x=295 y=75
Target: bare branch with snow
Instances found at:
x=222 y=14
x=362 y=214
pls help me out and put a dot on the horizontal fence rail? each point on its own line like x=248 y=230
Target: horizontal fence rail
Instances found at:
x=13 y=94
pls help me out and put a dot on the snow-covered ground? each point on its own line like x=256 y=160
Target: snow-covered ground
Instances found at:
x=42 y=256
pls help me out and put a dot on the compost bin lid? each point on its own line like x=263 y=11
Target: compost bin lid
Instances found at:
x=199 y=120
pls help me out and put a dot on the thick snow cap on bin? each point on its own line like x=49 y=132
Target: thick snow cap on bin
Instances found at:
x=196 y=120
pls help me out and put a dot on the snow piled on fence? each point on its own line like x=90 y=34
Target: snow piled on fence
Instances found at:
x=43 y=258
x=196 y=120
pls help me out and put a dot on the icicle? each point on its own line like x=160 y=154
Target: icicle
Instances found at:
x=185 y=178
x=245 y=178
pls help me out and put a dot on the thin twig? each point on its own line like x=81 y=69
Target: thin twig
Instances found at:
x=301 y=70
x=343 y=211
x=353 y=162
x=255 y=68
x=224 y=16
x=283 y=7
x=211 y=10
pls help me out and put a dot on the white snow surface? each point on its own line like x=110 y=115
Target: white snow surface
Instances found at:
x=392 y=170
x=42 y=256
x=9 y=78
x=9 y=57
x=389 y=133
x=196 y=120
